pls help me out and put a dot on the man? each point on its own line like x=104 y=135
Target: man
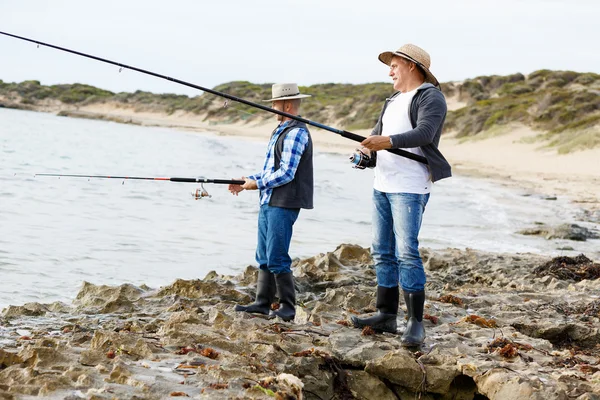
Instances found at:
x=412 y=120
x=286 y=186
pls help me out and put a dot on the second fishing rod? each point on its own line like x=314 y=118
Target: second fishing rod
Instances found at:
x=341 y=132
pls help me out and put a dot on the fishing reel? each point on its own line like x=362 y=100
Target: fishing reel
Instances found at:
x=361 y=160
x=200 y=193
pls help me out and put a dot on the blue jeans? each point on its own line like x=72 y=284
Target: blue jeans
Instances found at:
x=396 y=223
x=274 y=237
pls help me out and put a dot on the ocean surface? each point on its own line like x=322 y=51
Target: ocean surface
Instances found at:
x=57 y=233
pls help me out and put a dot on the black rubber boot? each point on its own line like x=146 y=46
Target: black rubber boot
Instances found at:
x=287 y=297
x=387 y=306
x=414 y=335
x=265 y=294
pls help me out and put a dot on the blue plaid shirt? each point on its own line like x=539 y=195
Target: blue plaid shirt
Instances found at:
x=293 y=146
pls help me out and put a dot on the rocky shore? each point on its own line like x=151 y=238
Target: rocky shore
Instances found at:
x=499 y=326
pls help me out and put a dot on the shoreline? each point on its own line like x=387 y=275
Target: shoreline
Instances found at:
x=504 y=158
x=509 y=158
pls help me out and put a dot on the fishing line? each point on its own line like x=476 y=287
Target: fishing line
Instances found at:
x=343 y=133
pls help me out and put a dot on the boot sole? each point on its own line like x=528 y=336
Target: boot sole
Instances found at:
x=377 y=330
x=409 y=344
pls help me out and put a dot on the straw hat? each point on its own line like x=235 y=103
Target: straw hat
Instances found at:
x=415 y=54
x=286 y=91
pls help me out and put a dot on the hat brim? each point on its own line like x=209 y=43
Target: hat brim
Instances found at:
x=298 y=96
x=386 y=58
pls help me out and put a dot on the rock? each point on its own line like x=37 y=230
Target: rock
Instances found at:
x=351 y=254
x=8 y=358
x=365 y=386
x=197 y=289
x=102 y=299
x=92 y=358
x=582 y=335
x=497 y=384
x=398 y=367
x=43 y=356
x=563 y=231
x=321 y=268
x=350 y=348
x=441 y=370
x=249 y=276
x=186 y=338
x=125 y=344
x=571 y=232
x=28 y=309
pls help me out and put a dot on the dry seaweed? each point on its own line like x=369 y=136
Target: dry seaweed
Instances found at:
x=434 y=320
x=480 y=321
x=277 y=328
x=506 y=347
x=570 y=268
x=210 y=353
x=448 y=298
x=367 y=331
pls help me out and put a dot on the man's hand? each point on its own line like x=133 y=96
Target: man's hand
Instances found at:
x=365 y=151
x=249 y=185
x=235 y=189
x=376 y=143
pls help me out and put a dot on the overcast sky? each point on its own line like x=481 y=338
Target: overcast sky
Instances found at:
x=309 y=41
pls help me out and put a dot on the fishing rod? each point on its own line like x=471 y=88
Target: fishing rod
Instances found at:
x=343 y=133
x=199 y=194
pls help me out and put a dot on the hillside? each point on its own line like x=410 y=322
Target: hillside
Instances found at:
x=563 y=105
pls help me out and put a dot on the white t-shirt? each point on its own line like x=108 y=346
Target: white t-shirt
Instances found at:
x=396 y=174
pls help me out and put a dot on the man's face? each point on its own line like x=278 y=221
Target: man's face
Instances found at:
x=399 y=71
x=279 y=106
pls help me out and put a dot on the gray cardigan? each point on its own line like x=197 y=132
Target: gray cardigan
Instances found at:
x=427 y=115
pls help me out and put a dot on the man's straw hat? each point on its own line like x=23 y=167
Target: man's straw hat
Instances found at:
x=415 y=54
x=286 y=91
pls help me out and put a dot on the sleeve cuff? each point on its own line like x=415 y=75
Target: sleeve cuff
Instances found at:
x=260 y=184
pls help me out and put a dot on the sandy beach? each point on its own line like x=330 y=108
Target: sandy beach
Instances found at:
x=505 y=157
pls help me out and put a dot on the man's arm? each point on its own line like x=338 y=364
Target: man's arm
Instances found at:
x=293 y=146
x=432 y=111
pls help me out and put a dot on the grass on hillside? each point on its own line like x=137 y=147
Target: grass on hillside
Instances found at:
x=564 y=105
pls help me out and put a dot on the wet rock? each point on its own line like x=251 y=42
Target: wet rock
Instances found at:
x=126 y=344
x=5 y=395
x=563 y=231
x=102 y=299
x=183 y=342
x=352 y=349
x=92 y=358
x=571 y=232
x=351 y=254
x=440 y=370
x=347 y=299
x=321 y=268
x=42 y=356
x=122 y=375
x=562 y=334
x=28 y=309
x=8 y=358
x=249 y=276
x=398 y=367
x=365 y=386
x=197 y=289
x=498 y=384
x=219 y=320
